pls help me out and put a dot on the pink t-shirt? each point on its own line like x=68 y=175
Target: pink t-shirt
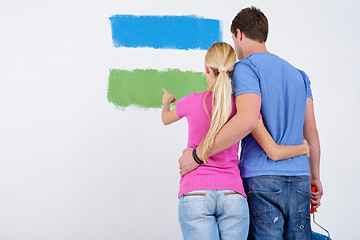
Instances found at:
x=221 y=172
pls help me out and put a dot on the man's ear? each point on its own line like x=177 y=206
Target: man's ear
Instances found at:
x=239 y=34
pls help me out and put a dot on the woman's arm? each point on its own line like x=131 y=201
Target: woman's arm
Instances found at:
x=274 y=151
x=168 y=116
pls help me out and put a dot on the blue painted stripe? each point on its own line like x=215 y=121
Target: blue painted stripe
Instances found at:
x=171 y=32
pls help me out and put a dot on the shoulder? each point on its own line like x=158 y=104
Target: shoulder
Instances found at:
x=289 y=68
x=249 y=64
x=288 y=65
x=192 y=96
x=244 y=63
x=244 y=69
x=303 y=74
x=198 y=95
x=186 y=105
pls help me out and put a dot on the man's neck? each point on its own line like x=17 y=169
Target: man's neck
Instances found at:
x=254 y=47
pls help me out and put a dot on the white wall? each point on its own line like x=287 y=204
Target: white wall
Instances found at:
x=72 y=166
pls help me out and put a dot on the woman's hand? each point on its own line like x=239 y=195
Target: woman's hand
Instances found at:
x=168 y=116
x=168 y=97
x=306 y=145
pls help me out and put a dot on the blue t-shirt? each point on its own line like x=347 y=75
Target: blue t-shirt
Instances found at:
x=284 y=90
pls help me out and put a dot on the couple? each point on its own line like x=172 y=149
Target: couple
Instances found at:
x=269 y=195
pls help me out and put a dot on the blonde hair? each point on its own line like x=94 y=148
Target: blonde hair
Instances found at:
x=219 y=55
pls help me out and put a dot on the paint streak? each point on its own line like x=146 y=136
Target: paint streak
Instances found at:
x=143 y=88
x=170 y=32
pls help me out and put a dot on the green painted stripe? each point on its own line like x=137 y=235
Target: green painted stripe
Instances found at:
x=143 y=88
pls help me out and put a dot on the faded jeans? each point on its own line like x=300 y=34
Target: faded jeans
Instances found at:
x=214 y=215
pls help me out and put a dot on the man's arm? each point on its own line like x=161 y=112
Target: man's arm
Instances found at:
x=312 y=136
x=245 y=120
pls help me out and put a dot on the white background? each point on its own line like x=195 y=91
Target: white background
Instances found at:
x=73 y=166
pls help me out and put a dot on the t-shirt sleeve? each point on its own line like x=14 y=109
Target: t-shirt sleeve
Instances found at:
x=307 y=83
x=244 y=79
x=182 y=106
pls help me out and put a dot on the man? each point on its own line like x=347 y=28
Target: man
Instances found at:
x=278 y=192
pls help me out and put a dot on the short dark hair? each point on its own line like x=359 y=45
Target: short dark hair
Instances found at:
x=252 y=22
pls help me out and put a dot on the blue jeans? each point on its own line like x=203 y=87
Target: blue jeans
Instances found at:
x=214 y=215
x=279 y=207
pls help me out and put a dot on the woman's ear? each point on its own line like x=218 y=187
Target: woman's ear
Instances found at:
x=207 y=70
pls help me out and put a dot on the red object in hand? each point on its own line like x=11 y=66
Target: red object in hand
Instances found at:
x=312 y=210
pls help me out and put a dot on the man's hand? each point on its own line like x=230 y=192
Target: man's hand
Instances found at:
x=186 y=162
x=316 y=196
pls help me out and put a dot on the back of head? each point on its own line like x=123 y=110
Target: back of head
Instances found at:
x=220 y=59
x=253 y=23
x=220 y=54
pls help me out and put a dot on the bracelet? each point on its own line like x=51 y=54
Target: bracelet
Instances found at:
x=195 y=157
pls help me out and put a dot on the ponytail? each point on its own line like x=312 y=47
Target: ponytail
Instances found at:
x=220 y=59
x=221 y=110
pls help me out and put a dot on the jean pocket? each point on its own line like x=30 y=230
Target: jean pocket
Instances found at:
x=194 y=194
x=192 y=206
x=231 y=193
x=303 y=210
x=263 y=207
x=233 y=204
